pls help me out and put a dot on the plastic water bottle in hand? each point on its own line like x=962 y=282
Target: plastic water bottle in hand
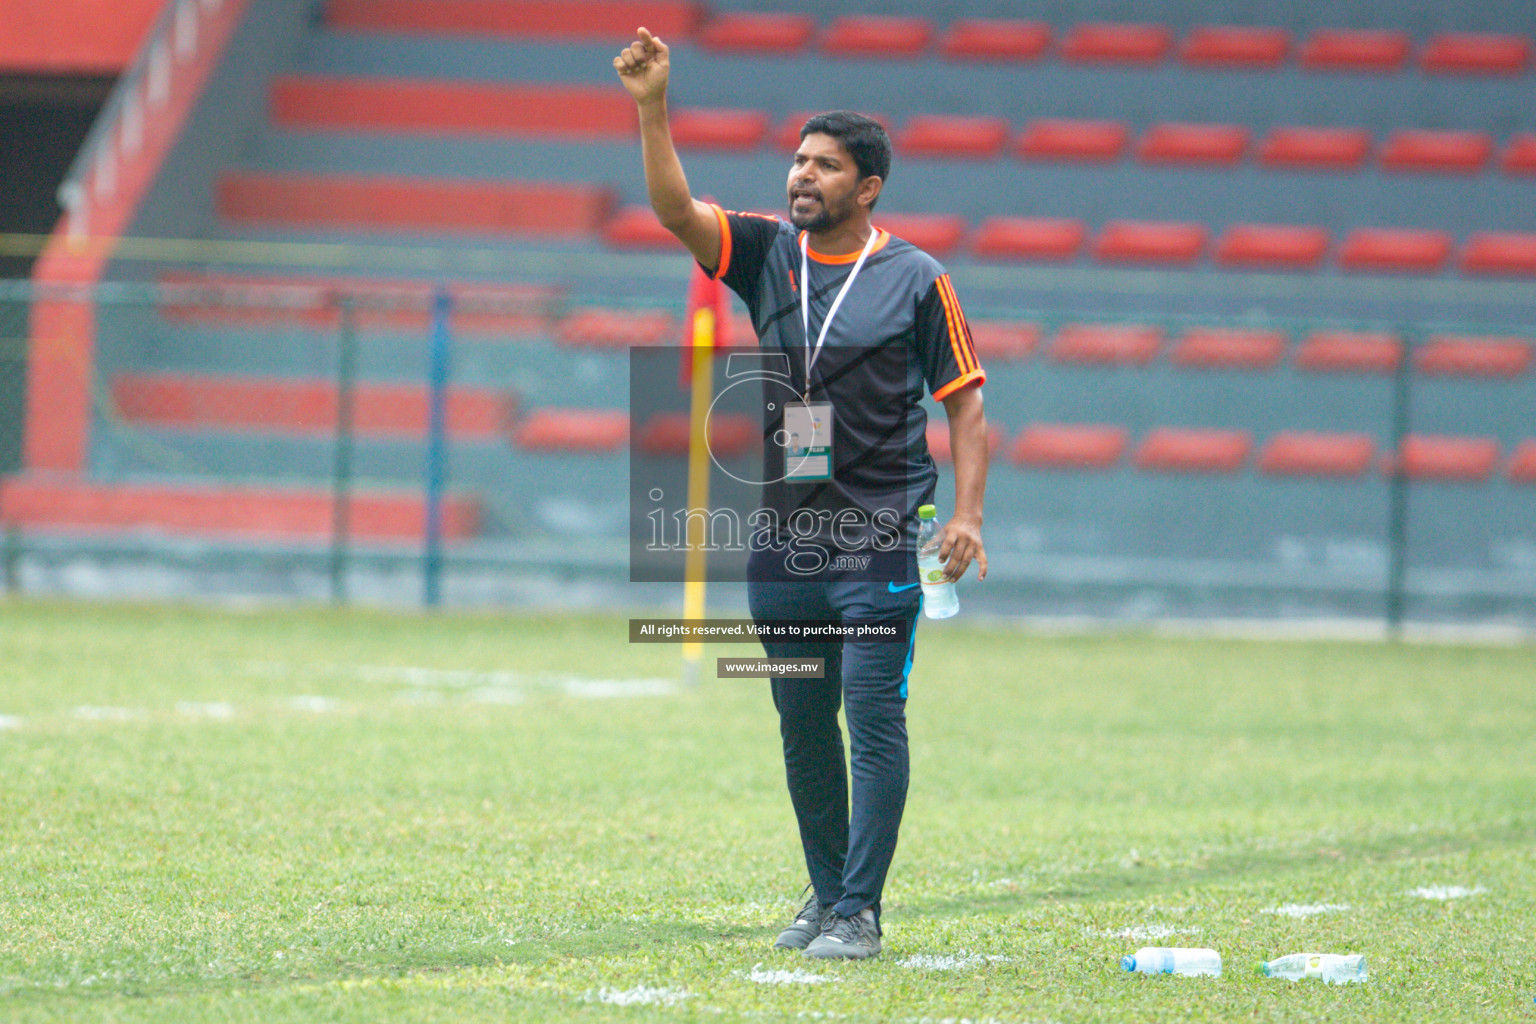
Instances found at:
x=1334 y=968
x=939 y=598
x=1173 y=960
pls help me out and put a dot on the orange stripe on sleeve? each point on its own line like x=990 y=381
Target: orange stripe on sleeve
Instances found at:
x=725 y=242
x=977 y=377
x=955 y=343
x=965 y=327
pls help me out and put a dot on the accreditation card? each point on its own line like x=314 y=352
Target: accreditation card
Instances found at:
x=808 y=455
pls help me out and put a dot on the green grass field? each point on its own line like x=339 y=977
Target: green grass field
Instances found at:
x=310 y=815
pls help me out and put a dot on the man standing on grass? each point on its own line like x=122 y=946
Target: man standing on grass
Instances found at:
x=829 y=284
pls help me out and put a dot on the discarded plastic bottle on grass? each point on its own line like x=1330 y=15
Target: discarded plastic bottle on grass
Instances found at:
x=1173 y=960
x=1334 y=968
x=939 y=598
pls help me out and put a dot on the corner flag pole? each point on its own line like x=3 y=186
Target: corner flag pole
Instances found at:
x=704 y=303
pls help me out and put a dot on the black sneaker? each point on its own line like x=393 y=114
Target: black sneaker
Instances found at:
x=806 y=926
x=847 y=938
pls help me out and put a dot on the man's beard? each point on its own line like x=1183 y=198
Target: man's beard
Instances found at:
x=825 y=218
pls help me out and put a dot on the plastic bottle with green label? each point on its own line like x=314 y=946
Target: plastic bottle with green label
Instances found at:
x=939 y=598
x=1333 y=968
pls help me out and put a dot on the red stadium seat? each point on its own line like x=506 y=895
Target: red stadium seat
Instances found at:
x=1476 y=53
x=1436 y=457
x=1057 y=139
x=938 y=234
x=878 y=36
x=974 y=138
x=592 y=327
x=667 y=434
x=1397 y=250
x=1003 y=341
x=1355 y=50
x=1447 y=152
x=1068 y=446
x=414 y=204
x=1228 y=349
x=736 y=130
x=1300 y=453
x=1221 y=144
x=752 y=32
x=938 y=442
x=572 y=430
x=636 y=227
x=1275 y=246
x=1458 y=356
x=787 y=135
x=1235 y=46
x=1183 y=450
x=1028 y=238
x=1116 y=43
x=1107 y=344
x=1520 y=155
x=1500 y=252
x=1320 y=148
x=1349 y=352
x=1171 y=242
x=1522 y=464
x=984 y=39
x=559 y=19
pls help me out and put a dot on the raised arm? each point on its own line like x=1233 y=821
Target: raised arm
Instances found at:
x=643 y=67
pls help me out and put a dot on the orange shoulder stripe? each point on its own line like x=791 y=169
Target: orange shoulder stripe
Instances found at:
x=725 y=242
x=951 y=315
x=965 y=327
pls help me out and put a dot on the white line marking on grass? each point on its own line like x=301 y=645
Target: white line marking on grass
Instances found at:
x=479 y=682
x=1306 y=909
x=206 y=709
x=9 y=722
x=948 y=962
x=599 y=689
x=794 y=977
x=1448 y=892
x=93 y=713
x=641 y=995
x=317 y=705
x=1147 y=932
x=496 y=695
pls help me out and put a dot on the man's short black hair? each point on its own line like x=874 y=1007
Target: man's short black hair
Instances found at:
x=864 y=138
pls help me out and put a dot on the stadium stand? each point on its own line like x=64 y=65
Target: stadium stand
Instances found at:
x=1094 y=186
x=1235 y=46
x=1370 y=50
x=877 y=37
x=1303 y=453
x=1116 y=43
x=1068 y=446
x=758 y=32
x=994 y=39
x=1182 y=450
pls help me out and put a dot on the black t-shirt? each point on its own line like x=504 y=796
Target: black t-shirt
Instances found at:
x=898 y=332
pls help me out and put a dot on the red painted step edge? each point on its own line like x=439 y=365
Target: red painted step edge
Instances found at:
x=246 y=512
x=568 y=19
x=414 y=204
x=444 y=107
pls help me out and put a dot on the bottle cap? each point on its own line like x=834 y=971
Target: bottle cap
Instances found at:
x=926 y=512
x=1263 y=968
x=1128 y=963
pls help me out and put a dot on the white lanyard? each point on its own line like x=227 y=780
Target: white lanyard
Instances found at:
x=805 y=300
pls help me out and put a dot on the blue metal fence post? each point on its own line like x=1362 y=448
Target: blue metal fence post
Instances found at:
x=437 y=386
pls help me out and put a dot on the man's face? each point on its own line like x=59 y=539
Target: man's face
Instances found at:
x=823 y=184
